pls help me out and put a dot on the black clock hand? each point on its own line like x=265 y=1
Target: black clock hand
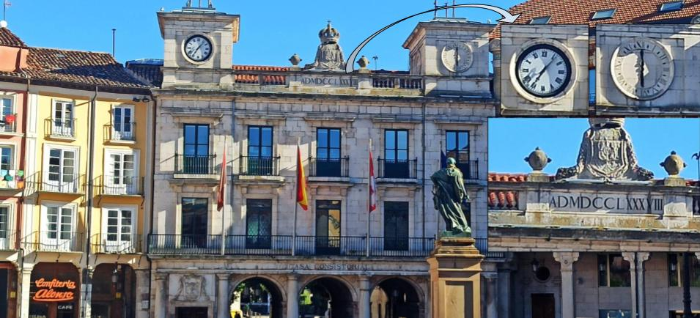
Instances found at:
x=641 y=69
x=543 y=70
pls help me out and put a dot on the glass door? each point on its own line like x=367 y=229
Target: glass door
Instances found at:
x=5 y=238
x=396 y=226
x=122 y=177
x=194 y=223
x=61 y=174
x=58 y=234
x=196 y=156
x=120 y=231
x=122 y=128
x=327 y=227
x=258 y=224
x=63 y=119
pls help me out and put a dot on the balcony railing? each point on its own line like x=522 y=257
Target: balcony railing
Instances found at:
x=107 y=185
x=121 y=132
x=402 y=82
x=397 y=169
x=195 y=165
x=483 y=246
x=58 y=183
x=269 y=245
x=7 y=125
x=259 y=166
x=62 y=128
x=339 y=168
x=8 y=240
x=470 y=170
x=53 y=241
x=113 y=243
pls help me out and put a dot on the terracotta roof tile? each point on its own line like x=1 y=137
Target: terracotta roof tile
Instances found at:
x=7 y=38
x=148 y=70
x=268 y=79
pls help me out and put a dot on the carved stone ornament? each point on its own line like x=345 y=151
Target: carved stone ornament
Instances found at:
x=295 y=59
x=673 y=164
x=329 y=56
x=538 y=160
x=192 y=288
x=606 y=153
x=363 y=62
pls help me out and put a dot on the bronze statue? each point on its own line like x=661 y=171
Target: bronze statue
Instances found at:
x=448 y=194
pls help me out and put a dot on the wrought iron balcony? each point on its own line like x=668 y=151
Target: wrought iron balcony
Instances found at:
x=195 y=164
x=121 y=132
x=107 y=185
x=113 y=243
x=268 y=245
x=470 y=170
x=61 y=128
x=259 y=166
x=53 y=241
x=397 y=169
x=55 y=182
x=338 y=168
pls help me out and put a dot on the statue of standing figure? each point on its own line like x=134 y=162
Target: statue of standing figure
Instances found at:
x=448 y=195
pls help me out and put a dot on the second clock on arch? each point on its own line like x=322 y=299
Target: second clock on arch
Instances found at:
x=543 y=70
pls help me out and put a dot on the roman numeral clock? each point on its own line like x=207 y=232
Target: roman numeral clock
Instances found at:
x=642 y=69
x=543 y=70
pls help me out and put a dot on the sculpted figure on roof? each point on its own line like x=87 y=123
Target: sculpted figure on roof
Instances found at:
x=606 y=153
x=329 y=56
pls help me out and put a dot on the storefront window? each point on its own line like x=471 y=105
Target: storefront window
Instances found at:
x=613 y=271
x=54 y=291
x=675 y=270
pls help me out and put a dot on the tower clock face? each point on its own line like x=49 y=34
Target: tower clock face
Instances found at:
x=642 y=69
x=543 y=70
x=198 y=48
x=457 y=57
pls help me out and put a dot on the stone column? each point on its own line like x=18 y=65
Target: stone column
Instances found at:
x=504 y=292
x=223 y=300
x=142 y=293
x=292 y=296
x=568 y=301
x=491 y=279
x=365 y=297
x=23 y=294
x=629 y=256
x=161 y=300
x=86 y=291
x=641 y=258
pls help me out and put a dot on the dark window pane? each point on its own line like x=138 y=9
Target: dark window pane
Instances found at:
x=254 y=136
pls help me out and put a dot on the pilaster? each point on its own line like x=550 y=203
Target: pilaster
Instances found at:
x=568 y=301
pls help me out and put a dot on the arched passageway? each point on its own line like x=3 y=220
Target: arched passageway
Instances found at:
x=326 y=297
x=256 y=297
x=394 y=298
x=113 y=291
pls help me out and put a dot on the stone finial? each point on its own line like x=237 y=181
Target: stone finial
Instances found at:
x=538 y=160
x=673 y=164
x=363 y=62
x=295 y=60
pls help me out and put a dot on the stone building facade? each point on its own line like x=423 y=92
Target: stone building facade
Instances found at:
x=261 y=254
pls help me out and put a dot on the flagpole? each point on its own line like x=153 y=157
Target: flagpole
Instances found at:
x=223 y=209
x=369 y=192
x=296 y=204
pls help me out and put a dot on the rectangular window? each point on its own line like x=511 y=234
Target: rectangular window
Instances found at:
x=675 y=270
x=119 y=230
x=603 y=14
x=258 y=223
x=5 y=159
x=457 y=143
x=4 y=227
x=327 y=227
x=194 y=222
x=123 y=126
x=122 y=173
x=62 y=119
x=396 y=164
x=541 y=20
x=671 y=6
x=195 y=158
x=613 y=271
x=61 y=175
x=260 y=154
x=328 y=163
x=58 y=228
x=396 y=226
x=7 y=120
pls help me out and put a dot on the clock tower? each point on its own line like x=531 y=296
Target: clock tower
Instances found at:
x=198 y=46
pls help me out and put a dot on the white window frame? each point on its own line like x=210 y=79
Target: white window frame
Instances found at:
x=63 y=130
x=108 y=183
x=121 y=134
x=118 y=246
x=57 y=244
x=5 y=242
x=67 y=187
x=13 y=102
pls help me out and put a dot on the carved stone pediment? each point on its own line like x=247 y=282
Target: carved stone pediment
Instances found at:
x=606 y=153
x=192 y=288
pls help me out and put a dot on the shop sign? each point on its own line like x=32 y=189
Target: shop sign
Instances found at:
x=54 y=290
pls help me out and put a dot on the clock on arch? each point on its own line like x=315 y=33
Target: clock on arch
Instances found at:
x=198 y=48
x=642 y=69
x=543 y=70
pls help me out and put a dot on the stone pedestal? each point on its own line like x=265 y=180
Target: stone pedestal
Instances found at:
x=455 y=272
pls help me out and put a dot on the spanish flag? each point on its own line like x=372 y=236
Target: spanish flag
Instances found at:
x=302 y=197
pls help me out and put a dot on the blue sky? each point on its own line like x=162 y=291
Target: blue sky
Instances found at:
x=271 y=31
x=511 y=140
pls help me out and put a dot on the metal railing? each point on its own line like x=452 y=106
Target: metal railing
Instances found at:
x=121 y=132
x=470 y=170
x=328 y=167
x=64 y=128
x=53 y=241
x=58 y=183
x=397 y=169
x=285 y=245
x=401 y=82
x=482 y=245
x=113 y=243
x=258 y=166
x=194 y=164
x=106 y=185
x=8 y=127
x=183 y=244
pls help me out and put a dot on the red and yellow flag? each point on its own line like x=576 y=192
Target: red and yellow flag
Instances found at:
x=302 y=197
